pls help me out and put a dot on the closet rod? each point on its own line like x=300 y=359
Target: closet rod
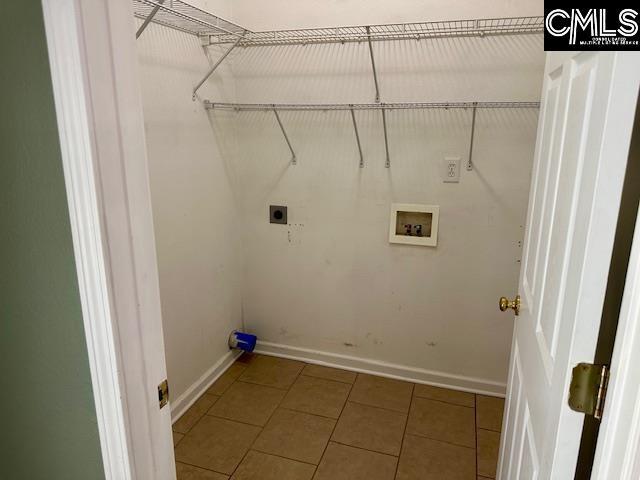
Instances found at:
x=244 y=107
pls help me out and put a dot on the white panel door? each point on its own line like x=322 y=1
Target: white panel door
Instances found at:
x=575 y=194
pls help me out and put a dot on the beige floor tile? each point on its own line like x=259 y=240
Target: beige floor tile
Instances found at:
x=226 y=379
x=371 y=428
x=445 y=395
x=188 y=472
x=195 y=413
x=382 y=392
x=216 y=444
x=426 y=459
x=317 y=396
x=341 y=462
x=272 y=372
x=260 y=466
x=177 y=437
x=489 y=412
x=488 y=446
x=442 y=421
x=295 y=435
x=329 y=373
x=247 y=402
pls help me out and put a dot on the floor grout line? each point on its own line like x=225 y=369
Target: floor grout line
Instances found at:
x=199 y=418
x=378 y=407
x=335 y=425
x=176 y=444
x=335 y=419
x=202 y=468
x=440 y=440
x=281 y=456
x=236 y=421
x=364 y=449
x=404 y=432
x=475 y=429
x=325 y=378
x=266 y=423
x=383 y=408
x=443 y=401
x=489 y=430
x=282 y=389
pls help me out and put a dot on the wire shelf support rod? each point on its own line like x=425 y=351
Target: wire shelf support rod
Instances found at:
x=149 y=18
x=373 y=65
x=473 y=131
x=355 y=129
x=215 y=66
x=286 y=137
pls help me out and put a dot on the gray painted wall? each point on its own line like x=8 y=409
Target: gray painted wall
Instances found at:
x=47 y=413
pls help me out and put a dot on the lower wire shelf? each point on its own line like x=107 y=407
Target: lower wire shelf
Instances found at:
x=363 y=106
x=351 y=107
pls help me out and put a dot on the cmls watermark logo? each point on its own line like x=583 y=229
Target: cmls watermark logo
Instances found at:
x=609 y=28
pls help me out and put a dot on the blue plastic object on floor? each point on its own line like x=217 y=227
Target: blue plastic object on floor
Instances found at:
x=242 y=341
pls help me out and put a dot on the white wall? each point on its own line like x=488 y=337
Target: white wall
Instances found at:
x=330 y=281
x=199 y=259
x=282 y=14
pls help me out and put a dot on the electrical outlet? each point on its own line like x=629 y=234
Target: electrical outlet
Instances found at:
x=451 y=171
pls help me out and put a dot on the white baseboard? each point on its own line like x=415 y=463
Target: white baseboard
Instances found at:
x=384 y=369
x=195 y=391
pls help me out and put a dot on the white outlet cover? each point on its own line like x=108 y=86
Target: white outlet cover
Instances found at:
x=451 y=170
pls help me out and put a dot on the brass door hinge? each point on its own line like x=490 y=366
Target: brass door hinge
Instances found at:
x=163 y=393
x=588 y=389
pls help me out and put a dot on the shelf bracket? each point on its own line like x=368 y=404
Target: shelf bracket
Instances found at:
x=355 y=129
x=147 y=20
x=286 y=137
x=387 y=163
x=473 y=130
x=217 y=64
x=373 y=64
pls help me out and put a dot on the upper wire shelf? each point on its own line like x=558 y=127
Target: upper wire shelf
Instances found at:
x=186 y=18
x=399 y=31
x=245 y=107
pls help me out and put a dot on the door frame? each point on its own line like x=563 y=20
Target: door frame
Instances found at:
x=618 y=448
x=112 y=230
x=92 y=56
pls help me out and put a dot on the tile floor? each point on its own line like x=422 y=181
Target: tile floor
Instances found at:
x=269 y=418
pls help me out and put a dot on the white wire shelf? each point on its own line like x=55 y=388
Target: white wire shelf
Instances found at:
x=283 y=107
x=399 y=31
x=186 y=18
x=352 y=107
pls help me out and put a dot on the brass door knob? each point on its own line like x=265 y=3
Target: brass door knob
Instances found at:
x=514 y=305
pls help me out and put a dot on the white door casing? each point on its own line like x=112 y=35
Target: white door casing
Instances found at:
x=588 y=105
x=91 y=46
